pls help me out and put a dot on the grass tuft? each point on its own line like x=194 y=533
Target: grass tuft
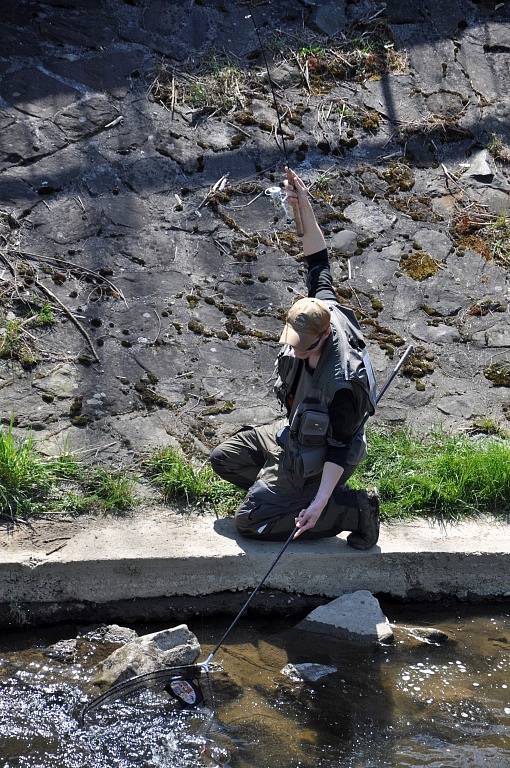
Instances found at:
x=13 y=345
x=25 y=478
x=498 y=149
x=113 y=491
x=484 y=232
x=216 y=86
x=180 y=480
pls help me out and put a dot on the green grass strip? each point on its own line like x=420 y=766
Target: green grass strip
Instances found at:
x=441 y=476
x=31 y=483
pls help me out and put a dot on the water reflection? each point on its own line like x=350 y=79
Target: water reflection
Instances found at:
x=406 y=705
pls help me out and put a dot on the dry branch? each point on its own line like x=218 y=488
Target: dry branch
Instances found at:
x=70 y=315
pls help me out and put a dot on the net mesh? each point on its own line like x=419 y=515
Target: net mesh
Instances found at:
x=174 y=680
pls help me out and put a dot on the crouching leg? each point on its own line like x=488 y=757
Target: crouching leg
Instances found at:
x=347 y=510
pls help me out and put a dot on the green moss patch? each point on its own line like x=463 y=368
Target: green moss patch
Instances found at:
x=419 y=364
x=419 y=265
x=398 y=177
x=498 y=373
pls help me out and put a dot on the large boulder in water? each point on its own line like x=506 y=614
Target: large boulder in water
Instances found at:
x=356 y=616
x=169 y=648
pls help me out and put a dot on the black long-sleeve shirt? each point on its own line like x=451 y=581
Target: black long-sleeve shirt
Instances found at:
x=348 y=406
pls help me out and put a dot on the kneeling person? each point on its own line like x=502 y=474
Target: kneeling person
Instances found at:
x=295 y=470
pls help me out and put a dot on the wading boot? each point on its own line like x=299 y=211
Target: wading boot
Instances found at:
x=367 y=533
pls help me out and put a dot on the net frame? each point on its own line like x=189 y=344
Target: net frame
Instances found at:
x=200 y=674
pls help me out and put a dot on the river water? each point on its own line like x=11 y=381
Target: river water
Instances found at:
x=398 y=706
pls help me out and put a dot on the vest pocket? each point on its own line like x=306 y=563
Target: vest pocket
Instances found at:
x=313 y=428
x=311 y=461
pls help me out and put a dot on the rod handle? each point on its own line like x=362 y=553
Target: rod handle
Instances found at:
x=297 y=220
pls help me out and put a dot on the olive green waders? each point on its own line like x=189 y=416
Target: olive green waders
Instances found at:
x=252 y=459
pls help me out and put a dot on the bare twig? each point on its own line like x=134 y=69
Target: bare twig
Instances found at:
x=218 y=185
x=56 y=549
x=245 y=205
x=159 y=326
x=304 y=74
x=220 y=246
x=238 y=128
x=56 y=538
x=117 y=120
x=72 y=265
x=70 y=315
x=451 y=177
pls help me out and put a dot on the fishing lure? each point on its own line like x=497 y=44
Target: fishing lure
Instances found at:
x=279 y=198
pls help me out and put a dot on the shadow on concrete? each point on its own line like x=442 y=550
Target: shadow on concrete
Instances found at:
x=332 y=545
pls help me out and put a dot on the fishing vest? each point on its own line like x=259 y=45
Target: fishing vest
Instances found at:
x=343 y=364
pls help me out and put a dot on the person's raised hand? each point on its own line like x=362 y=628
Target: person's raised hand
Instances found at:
x=295 y=188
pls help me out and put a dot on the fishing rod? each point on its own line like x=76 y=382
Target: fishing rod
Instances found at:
x=250 y=598
x=182 y=681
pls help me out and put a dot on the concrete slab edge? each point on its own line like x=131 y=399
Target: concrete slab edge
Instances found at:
x=404 y=576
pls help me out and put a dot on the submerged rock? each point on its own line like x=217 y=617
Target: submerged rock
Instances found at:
x=307 y=672
x=111 y=633
x=423 y=635
x=64 y=650
x=148 y=653
x=356 y=616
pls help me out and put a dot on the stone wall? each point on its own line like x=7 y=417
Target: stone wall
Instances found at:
x=183 y=299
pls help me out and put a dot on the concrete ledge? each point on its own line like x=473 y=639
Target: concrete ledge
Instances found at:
x=141 y=560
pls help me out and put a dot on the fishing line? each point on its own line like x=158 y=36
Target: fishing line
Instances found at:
x=251 y=16
x=278 y=195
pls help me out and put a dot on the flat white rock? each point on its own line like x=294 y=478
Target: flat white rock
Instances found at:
x=356 y=616
x=307 y=672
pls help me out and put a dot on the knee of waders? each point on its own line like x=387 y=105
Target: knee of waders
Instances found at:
x=245 y=525
x=217 y=459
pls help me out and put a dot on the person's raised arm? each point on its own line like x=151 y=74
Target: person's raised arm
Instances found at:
x=319 y=278
x=297 y=194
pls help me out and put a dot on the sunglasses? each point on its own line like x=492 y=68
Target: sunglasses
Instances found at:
x=313 y=345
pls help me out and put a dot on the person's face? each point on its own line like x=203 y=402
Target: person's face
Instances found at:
x=313 y=348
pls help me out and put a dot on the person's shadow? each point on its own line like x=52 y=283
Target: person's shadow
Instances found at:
x=332 y=545
x=347 y=714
